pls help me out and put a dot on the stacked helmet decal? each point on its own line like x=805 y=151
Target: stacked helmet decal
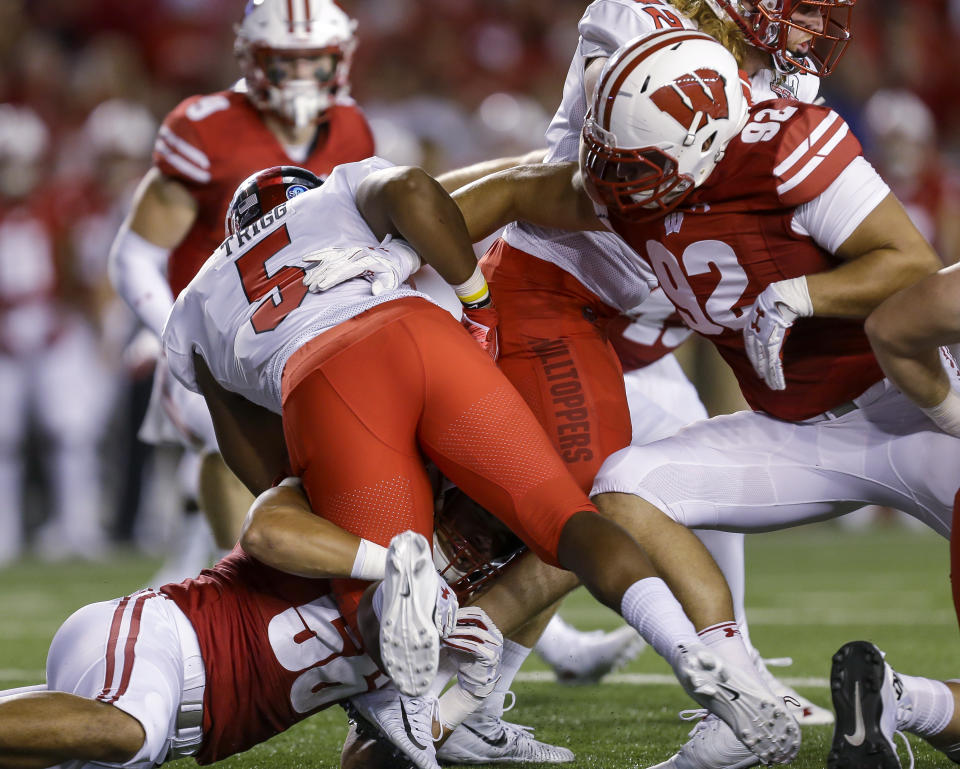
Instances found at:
x=278 y=32
x=766 y=24
x=659 y=124
x=263 y=191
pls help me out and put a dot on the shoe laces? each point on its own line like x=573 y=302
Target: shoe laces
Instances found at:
x=695 y=714
x=906 y=742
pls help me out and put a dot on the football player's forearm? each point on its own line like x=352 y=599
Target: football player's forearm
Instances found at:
x=283 y=532
x=458 y=177
x=857 y=288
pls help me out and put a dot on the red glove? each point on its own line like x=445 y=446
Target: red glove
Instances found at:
x=482 y=324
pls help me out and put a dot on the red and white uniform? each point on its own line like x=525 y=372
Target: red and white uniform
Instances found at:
x=210 y=144
x=214 y=665
x=593 y=276
x=789 y=191
x=366 y=385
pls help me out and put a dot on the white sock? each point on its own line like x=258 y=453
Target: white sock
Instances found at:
x=725 y=638
x=446 y=669
x=514 y=655
x=926 y=706
x=552 y=644
x=651 y=609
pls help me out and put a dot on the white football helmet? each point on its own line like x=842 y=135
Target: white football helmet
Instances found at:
x=665 y=108
x=767 y=24
x=272 y=39
x=24 y=142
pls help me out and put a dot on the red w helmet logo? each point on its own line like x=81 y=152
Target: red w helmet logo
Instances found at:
x=699 y=91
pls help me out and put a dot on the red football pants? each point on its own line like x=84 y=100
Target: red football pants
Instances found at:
x=554 y=348
x=365 y=401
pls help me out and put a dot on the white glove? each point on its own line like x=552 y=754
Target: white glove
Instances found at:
x=769 y=324
x=479 y=647
x=445 y=611
x=385 y=268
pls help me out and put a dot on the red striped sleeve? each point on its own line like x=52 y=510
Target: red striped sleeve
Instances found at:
x=815 y=147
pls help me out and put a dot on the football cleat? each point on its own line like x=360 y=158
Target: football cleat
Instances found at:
x=712 y=745
x=409 y=723
x=486 y=739
x=865 y=699
x=409 y=641
x=757 y=717
x=586 y=657
x=806 y=712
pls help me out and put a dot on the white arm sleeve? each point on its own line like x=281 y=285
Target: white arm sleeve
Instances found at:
x=832 y=216
x=138 y=273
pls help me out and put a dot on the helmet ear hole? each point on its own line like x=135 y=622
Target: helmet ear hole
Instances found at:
x=708 y=142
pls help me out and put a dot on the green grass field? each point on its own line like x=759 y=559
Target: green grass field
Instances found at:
x=808 y=591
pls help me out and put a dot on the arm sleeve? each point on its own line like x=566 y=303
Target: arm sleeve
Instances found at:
x=608 y=25
x=832 y=216
x=137 y=271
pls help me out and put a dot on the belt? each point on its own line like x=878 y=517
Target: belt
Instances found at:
x=867 y=396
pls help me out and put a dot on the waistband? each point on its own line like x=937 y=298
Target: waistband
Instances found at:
x=865 y=398
x=189 y=725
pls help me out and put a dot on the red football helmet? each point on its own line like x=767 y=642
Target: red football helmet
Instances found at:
x=265 y=190
x=780 y=26
x=665 y=108
x=470 y=546
x=295 y=56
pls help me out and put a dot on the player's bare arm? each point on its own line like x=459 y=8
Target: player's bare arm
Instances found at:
x=907 y=329
x=163 y=210
x=282 y=531
x=458 y=177
x=251 y=437
x=546 y=194
x=409 y=203
x=884 y=254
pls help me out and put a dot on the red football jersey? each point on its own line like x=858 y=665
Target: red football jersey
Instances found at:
x=275 y=650
x=733 y=238
x=212 y=143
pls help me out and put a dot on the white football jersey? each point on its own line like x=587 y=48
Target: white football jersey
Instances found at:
x=247 y=310
x=601 y=261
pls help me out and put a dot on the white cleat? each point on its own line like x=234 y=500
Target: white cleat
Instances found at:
x=806 y=712
x=409 y=641
x=712 y=745
x=586 y=657
x=486 y=739
x=407 y=722
x=757 y=717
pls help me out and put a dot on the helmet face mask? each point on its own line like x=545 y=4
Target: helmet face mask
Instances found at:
x=295 y=57
x=774 y=26
x=665 y=108
x=263 y=191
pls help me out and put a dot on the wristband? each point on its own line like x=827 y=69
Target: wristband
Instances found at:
x=455 y=705
x=474 y=291
x=292 y=482
x=370 y=563
x=946 y=414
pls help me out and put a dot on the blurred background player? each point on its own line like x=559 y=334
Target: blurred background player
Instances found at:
x=52 y=372
x=292 y=105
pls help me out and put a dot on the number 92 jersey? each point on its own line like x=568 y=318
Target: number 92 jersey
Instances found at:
x=247 y=310
x=789 y=190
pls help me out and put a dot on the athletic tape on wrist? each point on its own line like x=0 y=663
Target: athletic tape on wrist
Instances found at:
x=946 y=414
x=795 y=293
x=370 y=563
x=474 y=290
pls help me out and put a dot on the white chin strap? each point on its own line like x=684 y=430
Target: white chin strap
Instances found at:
x=300 y=101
